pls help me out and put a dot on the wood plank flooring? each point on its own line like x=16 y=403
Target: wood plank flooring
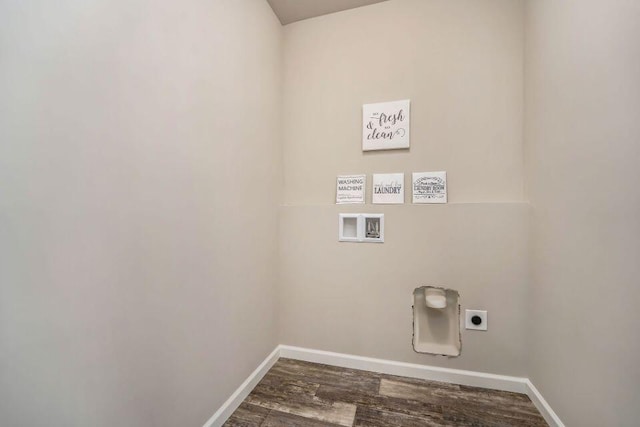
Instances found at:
x=303 y=394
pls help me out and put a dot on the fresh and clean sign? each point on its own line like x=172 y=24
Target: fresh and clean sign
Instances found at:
x=385 y=126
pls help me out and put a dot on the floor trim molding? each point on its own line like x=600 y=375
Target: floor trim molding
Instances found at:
x=545 y=409
x=228 y=407
x=403 y=369
x=412 y=370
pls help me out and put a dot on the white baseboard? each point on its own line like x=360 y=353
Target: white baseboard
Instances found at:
x=227 y=408
x=390 y=367
x=545 y=409
x=412 y=370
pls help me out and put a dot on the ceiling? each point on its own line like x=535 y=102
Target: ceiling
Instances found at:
x=289 y=11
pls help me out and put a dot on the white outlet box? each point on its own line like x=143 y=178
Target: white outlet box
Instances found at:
x=361 y=228
x=476 y=320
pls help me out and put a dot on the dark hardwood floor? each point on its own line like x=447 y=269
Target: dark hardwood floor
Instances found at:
x=295 y=393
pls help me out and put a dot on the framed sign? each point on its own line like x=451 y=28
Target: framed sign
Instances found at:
x=388 y=188
x=385 y=126
x=350 y=189
x=429 y=187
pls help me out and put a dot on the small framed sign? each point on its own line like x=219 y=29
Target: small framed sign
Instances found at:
x=388 y=188
x=429 y=187
x=350 y=189
x=385 y=126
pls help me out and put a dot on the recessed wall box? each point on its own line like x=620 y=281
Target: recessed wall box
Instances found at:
x=436 y=321
x=348 y=228
x=361 y=228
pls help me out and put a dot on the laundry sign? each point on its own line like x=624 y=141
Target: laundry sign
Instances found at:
x=429 y=187
x=385 y=126
x=388 y=188
x=350 y=189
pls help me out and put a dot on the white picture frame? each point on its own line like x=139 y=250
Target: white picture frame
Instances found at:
x=429 y=187
x=350 y=189
x=386 y=125
x=387 y=188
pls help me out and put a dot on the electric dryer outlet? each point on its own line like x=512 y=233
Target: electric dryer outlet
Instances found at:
x=476 y=320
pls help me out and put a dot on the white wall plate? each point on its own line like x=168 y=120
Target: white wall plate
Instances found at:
x=361 y=228
x=477 y=314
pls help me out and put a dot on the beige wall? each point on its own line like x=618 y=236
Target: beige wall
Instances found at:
x=583 y=152
x=356 y=298
x=136 y=139
x=460 y=63
x=127 y=265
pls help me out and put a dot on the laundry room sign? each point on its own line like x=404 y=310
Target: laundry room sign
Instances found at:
x=385 y=126
x=429 y=187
